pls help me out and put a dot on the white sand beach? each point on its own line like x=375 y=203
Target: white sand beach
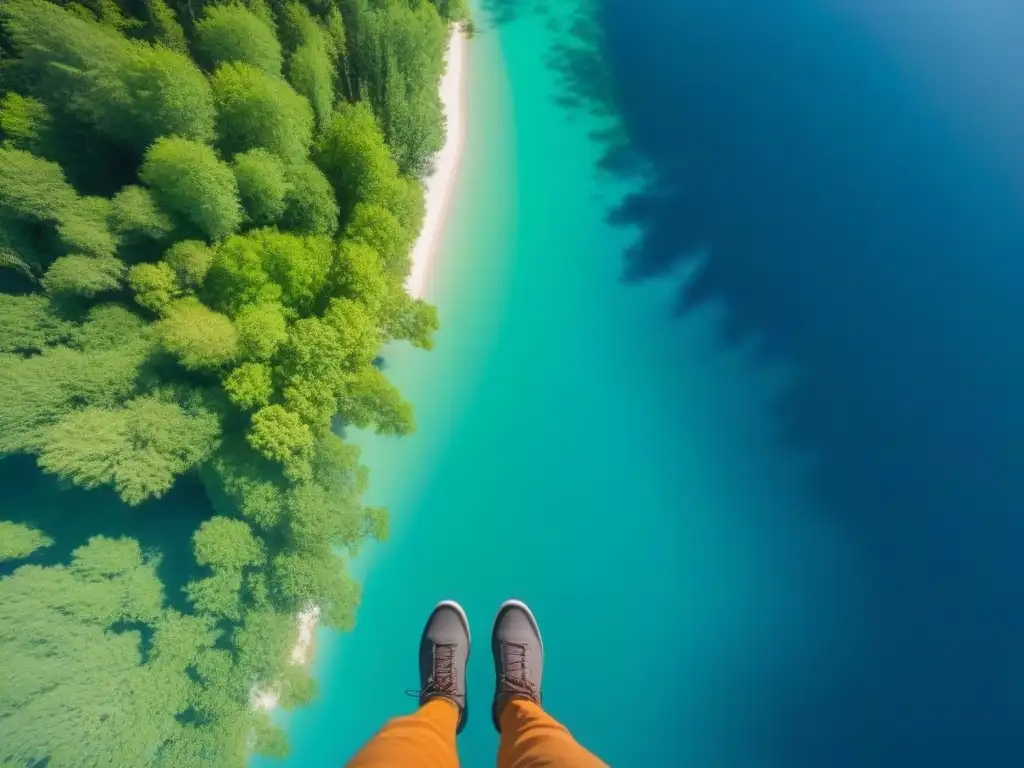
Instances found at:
x=441 y=183
x=439 y=187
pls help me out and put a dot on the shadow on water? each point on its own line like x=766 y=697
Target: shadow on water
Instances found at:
x=70 y=516
x=865 y=232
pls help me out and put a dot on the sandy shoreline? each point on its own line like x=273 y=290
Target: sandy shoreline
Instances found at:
x=441 y=183
x=439 y=188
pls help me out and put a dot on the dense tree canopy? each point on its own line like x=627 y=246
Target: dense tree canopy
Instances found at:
x=129 y=90
x=200 y=261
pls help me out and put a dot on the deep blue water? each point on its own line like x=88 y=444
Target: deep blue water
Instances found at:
x=853 y=173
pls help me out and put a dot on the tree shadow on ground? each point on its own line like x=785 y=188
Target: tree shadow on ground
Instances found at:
x=71 y=516
x=866 y=238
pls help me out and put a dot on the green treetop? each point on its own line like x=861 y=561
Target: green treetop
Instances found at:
x=257 y=110
x=262 y=185
x=197 y=336
x=187 y=178
x=229 y=33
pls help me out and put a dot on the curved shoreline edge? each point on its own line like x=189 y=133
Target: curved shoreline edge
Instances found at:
x=439 y=187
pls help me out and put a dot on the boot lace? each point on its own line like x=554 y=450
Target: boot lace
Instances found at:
x=443 y=678
x=516 y=677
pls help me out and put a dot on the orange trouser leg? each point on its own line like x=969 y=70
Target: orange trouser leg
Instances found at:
x=425 y=739
x=531 y=738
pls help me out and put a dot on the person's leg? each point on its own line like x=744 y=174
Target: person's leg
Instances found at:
x=426 y=739
x=530 y=738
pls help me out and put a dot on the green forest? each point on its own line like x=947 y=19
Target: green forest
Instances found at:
x=206 y=211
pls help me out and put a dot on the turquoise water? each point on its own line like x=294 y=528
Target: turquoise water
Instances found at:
x=684 y=585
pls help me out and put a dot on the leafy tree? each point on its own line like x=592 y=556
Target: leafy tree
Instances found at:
x=190 y=260
x=403 y=317
x=257 y=110
x=266 y=265
x=317 y=362
x=377 y=524
x=313 y=367
x=84 y=228
x=138 y=222
x=338 y=49
x=108 y=13
x=299 y=265
x=41 y=389
x=405 y=199
x=357 y=274
x=164 y=27
x=372 y=400
x=139 y=449
x=281 y=436
x=262 y=185
x=261 y=330
x=376 y=227
x=354 y=157
x=25 y=123
x=355 y=326
x=186 y=177
x=178 y=639
x=232 y=33
x=268 y=738
x=399 y=60
x=263 y=644
x=111 y=327
x=19 y=541
x=222 y=542
x=250 y=386
x=240 y=480
x=198 y=337
x=297 y=26
x=238 y=278
x=83 y=275
x=154 y=285
x=303 y=578
x=311 y=73
x=309 y=203
x=413 y=121
x=452 y=10
x=297 y=688
x=29 y=325
x=35 y=192
x=218 y=595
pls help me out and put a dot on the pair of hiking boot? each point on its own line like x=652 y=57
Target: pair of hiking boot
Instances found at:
x=516 y=646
